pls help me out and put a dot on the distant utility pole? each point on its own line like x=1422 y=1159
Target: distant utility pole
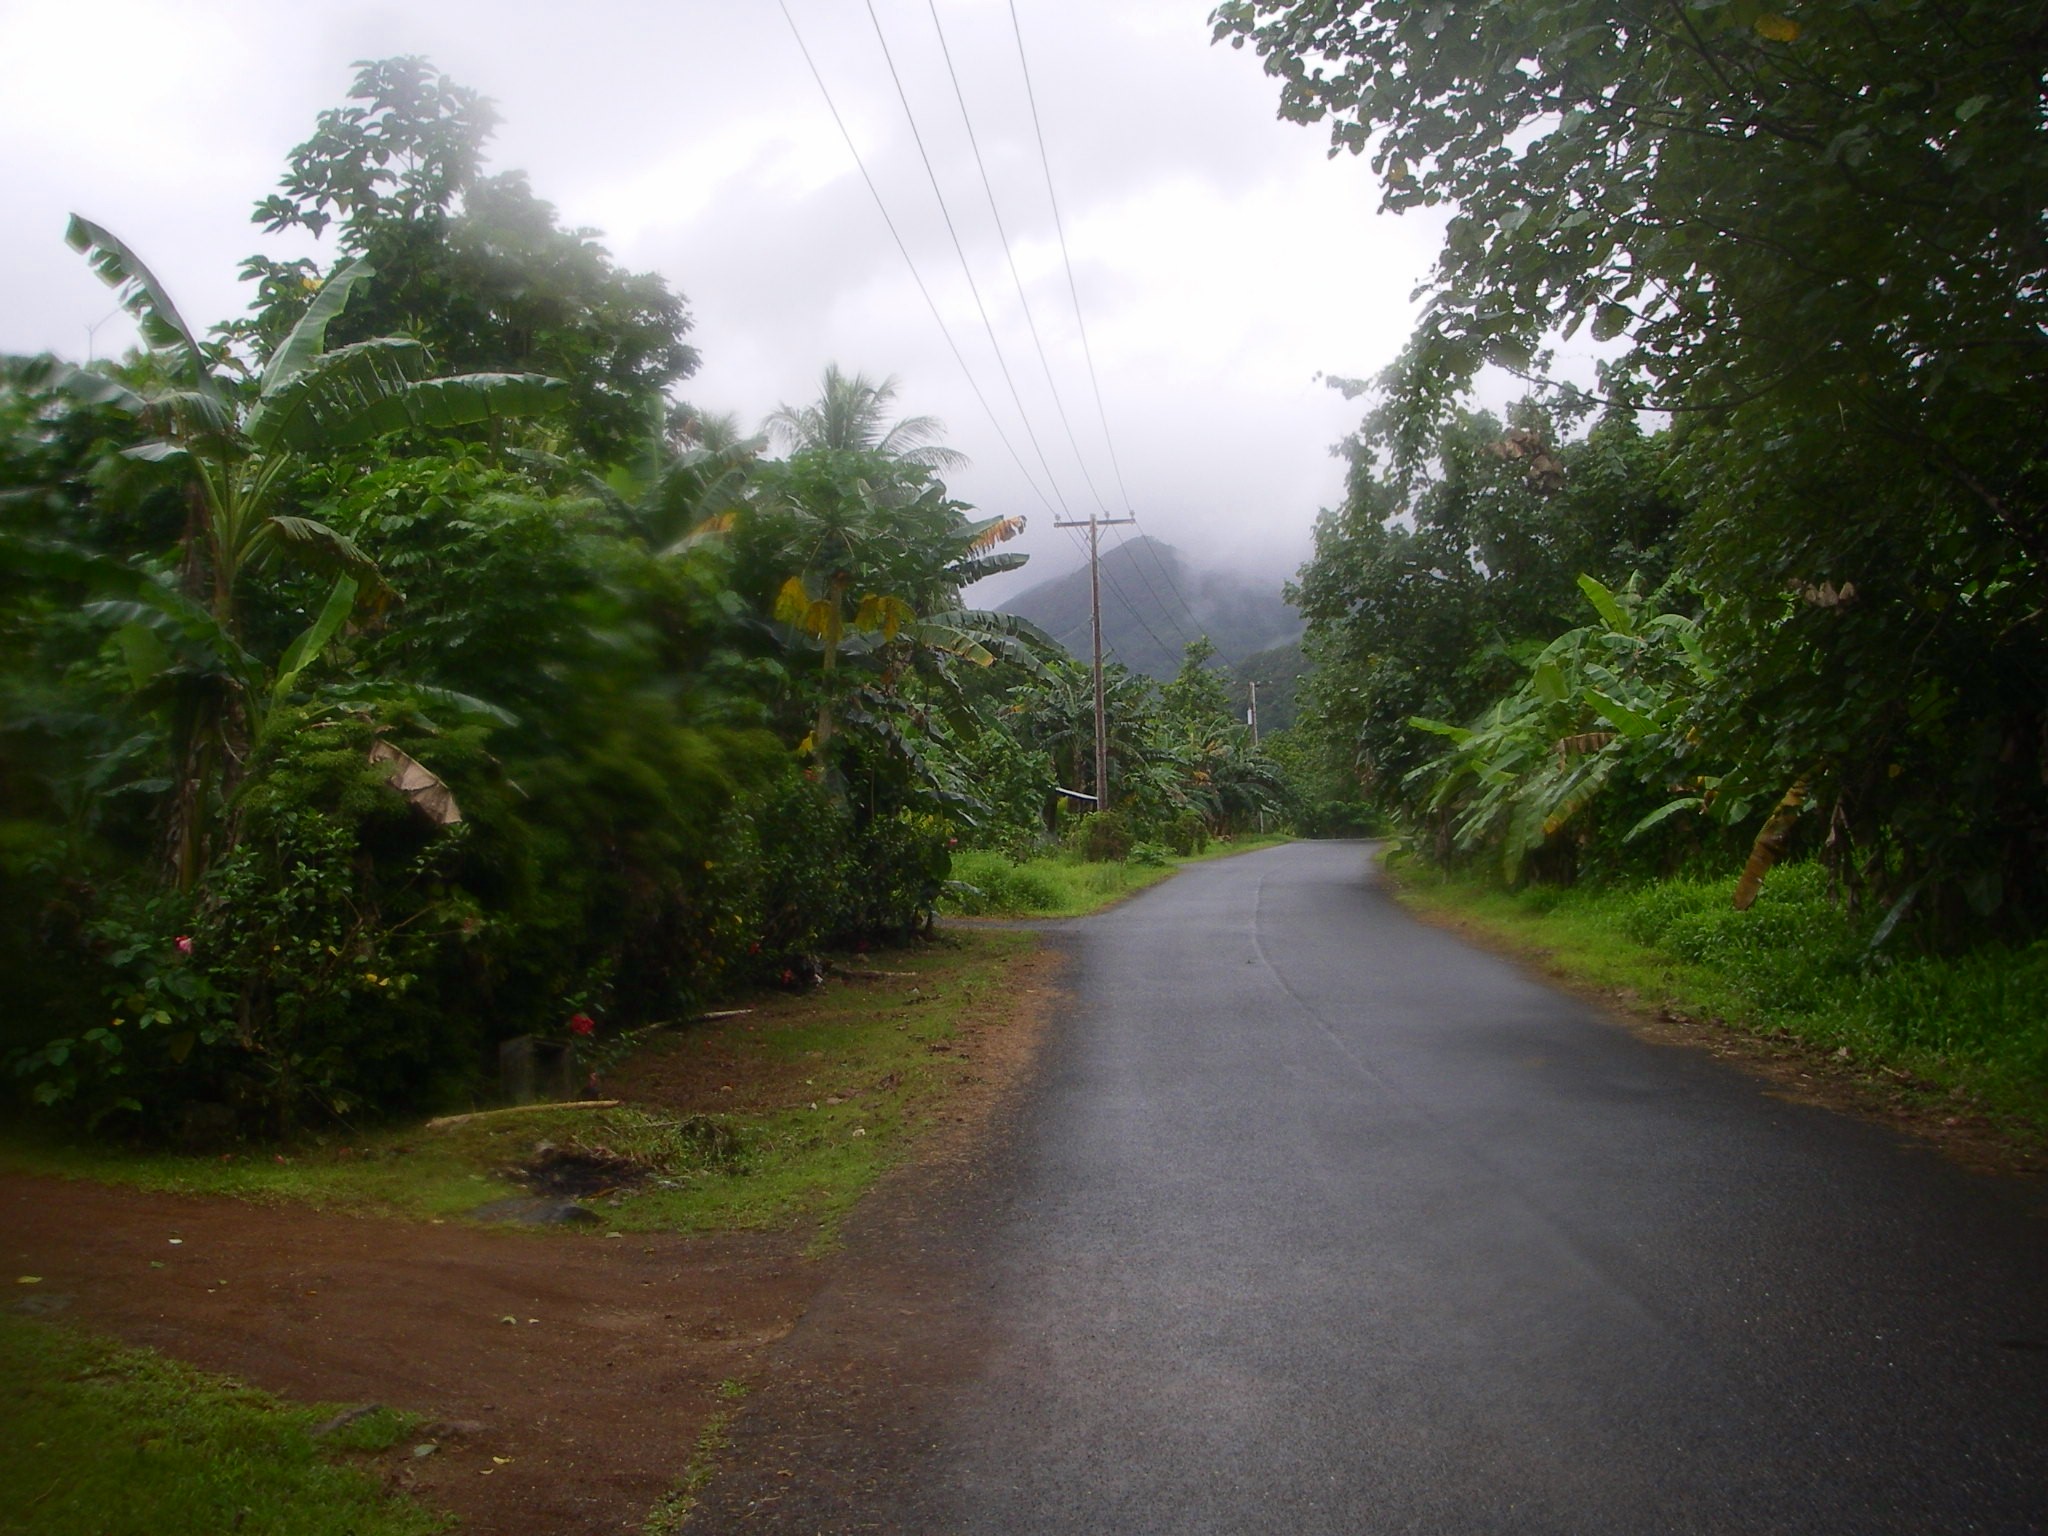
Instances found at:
x=1095 y=525
x=1252 y=719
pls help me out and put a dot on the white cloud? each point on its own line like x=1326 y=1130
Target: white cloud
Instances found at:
x=1222 y=259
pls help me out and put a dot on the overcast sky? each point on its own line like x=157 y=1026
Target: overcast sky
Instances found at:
x=1222 y=259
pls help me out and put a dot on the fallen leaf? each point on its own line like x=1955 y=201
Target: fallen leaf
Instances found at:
x=29 y=1280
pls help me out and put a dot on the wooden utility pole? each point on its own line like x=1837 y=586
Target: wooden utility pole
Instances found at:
x=1095 y=525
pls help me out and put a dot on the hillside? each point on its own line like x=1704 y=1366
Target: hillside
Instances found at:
x=1153 y=603
x=1277 y=672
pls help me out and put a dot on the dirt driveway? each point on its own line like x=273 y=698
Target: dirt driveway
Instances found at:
x=588 y=1365
x=567 y=1377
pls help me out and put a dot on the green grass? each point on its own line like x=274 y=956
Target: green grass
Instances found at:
x=989 y=884
x=1794 y=965
x=671 y=1514
x=98 y=1440
x=828 y=1090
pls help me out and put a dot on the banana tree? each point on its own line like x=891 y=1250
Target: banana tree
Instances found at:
x=1598 y=699
x=240 y=436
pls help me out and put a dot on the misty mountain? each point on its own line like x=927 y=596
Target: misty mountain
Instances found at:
x=1154 y=603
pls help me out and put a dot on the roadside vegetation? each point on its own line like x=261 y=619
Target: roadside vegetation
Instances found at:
x=1067 y=883
x=405 y=666
x=1961 y=1035
x=96 y=1440
x=1726 y=669
x=783 y=1112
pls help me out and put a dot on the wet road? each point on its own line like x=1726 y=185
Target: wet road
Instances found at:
x=1321 y=1221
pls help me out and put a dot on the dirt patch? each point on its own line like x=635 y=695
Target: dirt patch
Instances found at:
x=1798 y=1071
x=571 y=1374
x=580 y=1174
x=568 y=1375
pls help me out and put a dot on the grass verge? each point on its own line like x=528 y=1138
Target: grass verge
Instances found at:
x=98 y=1440
x=990 y=884
x=787 y=1112
x=1945 y=1036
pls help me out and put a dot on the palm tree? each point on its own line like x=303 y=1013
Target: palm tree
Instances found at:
x=242 y=443
x=851 y=413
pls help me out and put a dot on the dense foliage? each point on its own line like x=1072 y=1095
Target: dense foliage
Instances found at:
x=1812 y=234
x=399 y=669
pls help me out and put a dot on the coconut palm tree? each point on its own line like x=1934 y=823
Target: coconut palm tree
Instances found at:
x=851 y=413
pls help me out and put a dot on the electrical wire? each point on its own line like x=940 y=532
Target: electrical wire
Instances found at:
x=1009 y=255
x=1151 y=591
x=1109 y=576
x=1135 y=612
x=961 y=251
x=1074 y=294
x=916 y=276
x=1059 y=223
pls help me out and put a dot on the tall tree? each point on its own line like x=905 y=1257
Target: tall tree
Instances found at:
x=1836 y=203
x=851 y=414
x=474 y=266
x=1816 y=229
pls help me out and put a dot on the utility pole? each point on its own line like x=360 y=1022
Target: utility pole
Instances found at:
x=1095 y=525
x=1252 y=719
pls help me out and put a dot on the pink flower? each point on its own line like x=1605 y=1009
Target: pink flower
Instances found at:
x=582 y=1024
x=183 y=943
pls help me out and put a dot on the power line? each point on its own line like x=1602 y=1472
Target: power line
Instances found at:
x=961 y=251
x=1152 y=591
x=1116 y=587
x=1132 y=608
x=916 y=276
x=1073 y=290
x=1074 y=294
x=1172 y=581
x=1009 y=256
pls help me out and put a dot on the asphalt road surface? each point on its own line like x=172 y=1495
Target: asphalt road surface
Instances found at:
x=1320 y=1220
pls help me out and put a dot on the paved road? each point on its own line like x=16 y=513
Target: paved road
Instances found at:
x=1322 y=1221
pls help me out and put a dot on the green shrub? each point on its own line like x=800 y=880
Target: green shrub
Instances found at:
x=301 y=973
x=1105 y=836
x=985 y=881
x=1187 y=834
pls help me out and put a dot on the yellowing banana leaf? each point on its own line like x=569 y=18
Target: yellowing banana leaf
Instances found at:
x=878 y=611
x=985 y=535
x=1770 y=845
x=1584 y=742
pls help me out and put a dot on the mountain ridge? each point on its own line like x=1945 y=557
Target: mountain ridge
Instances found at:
x=1153 y=604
